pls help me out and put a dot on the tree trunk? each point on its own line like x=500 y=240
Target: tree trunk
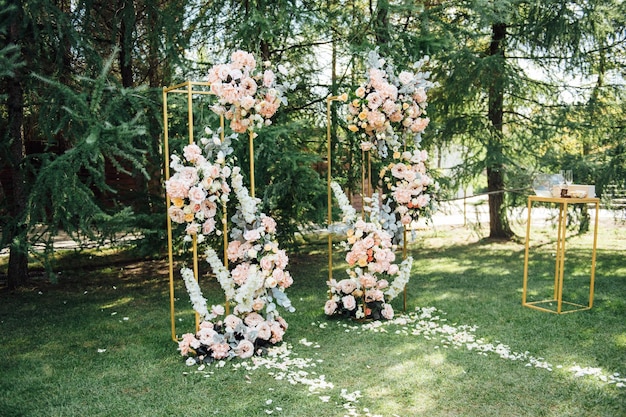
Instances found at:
x=18 y=246
x=127 y=26
x=498 y=223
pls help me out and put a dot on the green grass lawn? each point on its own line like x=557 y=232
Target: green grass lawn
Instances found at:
x=98 y=342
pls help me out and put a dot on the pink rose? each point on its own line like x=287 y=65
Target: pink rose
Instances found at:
x=264 y=331
x=245 y=349
x=231 y=321
x=249 y=87
x=405 y=77
x=347 y=286
x=267 y=262
x=393 y=269
x=330 y=307
x=253 y=319
x=349 y=302
x=387 y=312
x=197 y=195
x=269 y=224
x=258 y=304
x=176 y=214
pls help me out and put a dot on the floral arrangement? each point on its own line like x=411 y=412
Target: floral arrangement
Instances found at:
x=408 y=186
x=195 y=190
x=248 y=96
x=386 y=105
x=373 y=277
x=225 y=337
x=255 y=285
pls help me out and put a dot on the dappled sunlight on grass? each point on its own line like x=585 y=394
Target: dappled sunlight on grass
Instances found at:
x=117 y=303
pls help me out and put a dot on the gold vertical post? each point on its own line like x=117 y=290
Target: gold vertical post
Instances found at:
x=526 y=246
x=593 y=255
x=185 y=88
x=170 y=255
x=329 y=176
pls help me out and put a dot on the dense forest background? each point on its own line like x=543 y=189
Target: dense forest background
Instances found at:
x=523 y=86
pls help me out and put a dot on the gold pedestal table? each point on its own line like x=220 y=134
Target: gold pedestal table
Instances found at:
x=548 y=305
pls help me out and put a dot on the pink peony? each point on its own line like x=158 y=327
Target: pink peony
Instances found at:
x=191 y=152
x=208 y=226
x=240 y=273
x=192 y=228
x=220 y=350
x=218 y=310
x=176 y=188
x=277 y=333
x=286 y=281
x=243 y=59
x=233 y=250
x=184 y=345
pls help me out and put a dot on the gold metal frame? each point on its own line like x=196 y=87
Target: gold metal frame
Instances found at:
x=560 y=255
x=191 y=89
x=365 y=192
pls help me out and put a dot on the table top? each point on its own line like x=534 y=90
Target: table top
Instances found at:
x=564 y=200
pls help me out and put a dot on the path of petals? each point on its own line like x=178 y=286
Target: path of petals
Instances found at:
x=284 y=365
x=428 y=323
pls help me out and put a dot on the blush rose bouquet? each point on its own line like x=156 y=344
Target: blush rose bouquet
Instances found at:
x=221 y=336
x=248 y=94
x=257 y=279
x=388 y=107
x=195 y=190
x=373 y=276
x=408 y=187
